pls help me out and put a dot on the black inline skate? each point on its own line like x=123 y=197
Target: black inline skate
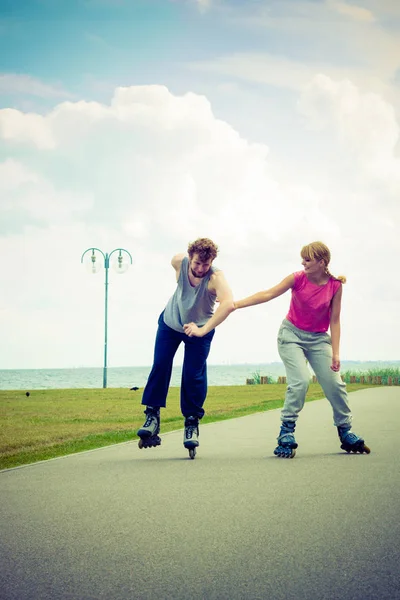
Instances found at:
x=148 y=434
x=287 y=444
x=191 y=435
x=350 y=441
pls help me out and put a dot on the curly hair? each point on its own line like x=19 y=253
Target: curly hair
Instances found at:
x=320 y=251
x=204 y=247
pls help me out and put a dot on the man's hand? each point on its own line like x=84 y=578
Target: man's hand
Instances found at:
x=191 y=330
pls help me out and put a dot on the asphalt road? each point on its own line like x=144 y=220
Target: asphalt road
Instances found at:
x=235 y=523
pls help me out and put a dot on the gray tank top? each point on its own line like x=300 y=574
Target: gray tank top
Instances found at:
x=189 y=304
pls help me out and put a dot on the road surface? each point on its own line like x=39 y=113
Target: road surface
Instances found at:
x=236 y=523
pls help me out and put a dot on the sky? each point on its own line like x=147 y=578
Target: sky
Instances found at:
x=143 y=125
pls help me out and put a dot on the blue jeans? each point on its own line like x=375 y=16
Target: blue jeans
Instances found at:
x=294 y=347
x=194 y=370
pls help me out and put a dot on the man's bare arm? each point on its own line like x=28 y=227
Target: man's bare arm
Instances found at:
x=176 y=262
x=220 y=286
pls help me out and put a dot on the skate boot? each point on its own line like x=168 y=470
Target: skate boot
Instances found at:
x=350 y=441
x=287 y=444
x=148 y=434
x=191 y=435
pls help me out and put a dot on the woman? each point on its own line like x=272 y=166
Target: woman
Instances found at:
x=314 y=308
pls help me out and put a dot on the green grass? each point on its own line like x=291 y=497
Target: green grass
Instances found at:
x=51 y=423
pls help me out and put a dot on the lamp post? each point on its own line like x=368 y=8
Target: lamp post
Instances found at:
x=120 y=267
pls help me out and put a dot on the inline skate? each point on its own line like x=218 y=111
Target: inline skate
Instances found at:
x=148 y=433
x=350 y=441
x=287 y=444
x=191 y=435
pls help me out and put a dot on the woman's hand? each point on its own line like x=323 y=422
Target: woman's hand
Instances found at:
x=335 y=366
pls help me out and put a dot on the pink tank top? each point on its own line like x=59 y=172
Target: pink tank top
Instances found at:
x=310 y=305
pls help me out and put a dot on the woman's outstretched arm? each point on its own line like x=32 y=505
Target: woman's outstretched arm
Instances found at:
x=267 y=295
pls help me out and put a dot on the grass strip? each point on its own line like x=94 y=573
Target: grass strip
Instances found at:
x=53 y=423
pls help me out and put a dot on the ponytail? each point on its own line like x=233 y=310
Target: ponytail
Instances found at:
x=340 y=278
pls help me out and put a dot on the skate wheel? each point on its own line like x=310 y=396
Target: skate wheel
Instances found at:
x=150 y=442
x=192 y=453
x=282 y=452
x=355 y=448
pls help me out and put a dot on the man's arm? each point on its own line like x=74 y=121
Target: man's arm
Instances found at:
x=176 y=262
x=226 y=306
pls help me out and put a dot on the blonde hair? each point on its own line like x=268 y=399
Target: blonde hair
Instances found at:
x=320 y=251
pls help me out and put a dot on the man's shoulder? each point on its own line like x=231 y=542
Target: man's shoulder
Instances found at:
x=216 y=277
x=216 y=274
x=176 y=260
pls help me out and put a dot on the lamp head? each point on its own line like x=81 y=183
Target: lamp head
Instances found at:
x=92 y=262
x=120 y=265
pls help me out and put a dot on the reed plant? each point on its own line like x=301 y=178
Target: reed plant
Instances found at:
x=383 y=373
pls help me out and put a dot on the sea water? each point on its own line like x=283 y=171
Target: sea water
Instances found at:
x=127 y=377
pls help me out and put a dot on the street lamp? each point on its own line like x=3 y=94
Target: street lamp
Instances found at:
x=120 y=267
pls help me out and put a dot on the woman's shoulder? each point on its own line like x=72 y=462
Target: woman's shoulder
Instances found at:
x=299 y=278
x=299 y=274
x=335 y=283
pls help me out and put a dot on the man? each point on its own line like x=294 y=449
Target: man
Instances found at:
x=188 y=317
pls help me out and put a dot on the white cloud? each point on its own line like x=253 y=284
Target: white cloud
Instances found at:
x=364 y=123
x=13 y=83
x=148 y=140
x=286 y=74
x=301 y=39
x=151 y=171
x=203 y=5
x=27 y=197
x=30 y=127
x=353 y=11
x=265 y=68
x=13 y=175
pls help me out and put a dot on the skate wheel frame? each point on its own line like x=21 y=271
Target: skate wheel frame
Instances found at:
x=282 y=452
x=150 y=442
x=355 y=448
x=192 y=453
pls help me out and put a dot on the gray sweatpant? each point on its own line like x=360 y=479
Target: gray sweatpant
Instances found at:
x=294 y=347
